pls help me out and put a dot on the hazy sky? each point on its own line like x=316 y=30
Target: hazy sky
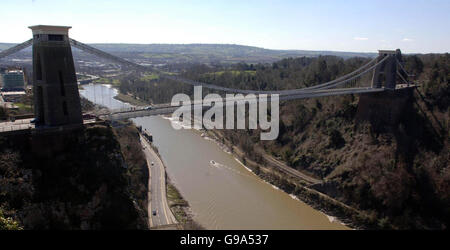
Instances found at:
x=343 y=25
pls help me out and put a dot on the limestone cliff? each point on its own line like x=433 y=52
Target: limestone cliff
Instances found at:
x=73 y=180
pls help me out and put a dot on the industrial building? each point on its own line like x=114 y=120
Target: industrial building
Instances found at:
x=12 y=80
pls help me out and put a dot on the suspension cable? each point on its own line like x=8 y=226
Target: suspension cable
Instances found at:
x=95 y=96
x=404 y=80
x=16 y=48
x=345 y=81
x=162 y=74
x=325 y=85
x=336 y=82
x=344 y=76
x=401 y=66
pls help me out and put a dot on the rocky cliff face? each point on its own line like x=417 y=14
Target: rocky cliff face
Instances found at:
x=385 y=154
x=76 y=180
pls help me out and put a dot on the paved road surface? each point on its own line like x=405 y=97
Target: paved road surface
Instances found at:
x=25 y=124
x=16 y=125
x=157 y=189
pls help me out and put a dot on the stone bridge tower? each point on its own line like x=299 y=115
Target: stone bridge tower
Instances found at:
x=386 y=73
x=56 y=97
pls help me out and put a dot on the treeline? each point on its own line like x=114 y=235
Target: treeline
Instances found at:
x=152 y=91
x=288 y=73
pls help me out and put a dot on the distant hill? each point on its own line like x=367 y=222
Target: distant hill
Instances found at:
x=4 y=46
x=216 y=52
x=206 y=53
x=228 y=49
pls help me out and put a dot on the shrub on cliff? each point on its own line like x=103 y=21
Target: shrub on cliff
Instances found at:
x=7 y=223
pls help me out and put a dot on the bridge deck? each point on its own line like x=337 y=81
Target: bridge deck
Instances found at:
x=25 y=125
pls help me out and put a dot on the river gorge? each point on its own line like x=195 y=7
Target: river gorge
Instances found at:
x=221 y=191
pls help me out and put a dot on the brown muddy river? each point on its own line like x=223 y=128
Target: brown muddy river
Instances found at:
x=222 y=194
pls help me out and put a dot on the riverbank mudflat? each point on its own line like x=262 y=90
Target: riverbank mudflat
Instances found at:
x=181 y=209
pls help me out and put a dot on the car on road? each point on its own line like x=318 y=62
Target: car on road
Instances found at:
x=154 y=212
x=149 y=108
x=153 y=163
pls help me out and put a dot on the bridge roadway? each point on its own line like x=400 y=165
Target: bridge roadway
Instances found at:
x=90 y=79
x=163 y=109
x=25 y=124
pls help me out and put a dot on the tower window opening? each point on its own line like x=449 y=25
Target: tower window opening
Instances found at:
x=61 y=83
x=65 y=108
x=55 y=37
x=38 y=67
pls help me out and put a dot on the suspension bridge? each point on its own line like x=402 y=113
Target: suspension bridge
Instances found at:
x=383 y=71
